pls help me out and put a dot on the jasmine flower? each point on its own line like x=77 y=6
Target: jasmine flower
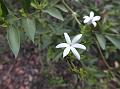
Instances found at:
x=91 y=19
x=71 y=45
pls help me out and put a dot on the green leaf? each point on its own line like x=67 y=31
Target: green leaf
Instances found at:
x=29 y=27
x=46 y=41
x=34 y=5
x=4 y=8
x=55 y=13
x=114 y=39
x=102 y=41
x=58 y=56
x=54 y=2
x=42 y=27
x=26 y=4
x=0 y=10
x=13 y=38
x=61 y=31
x=62 y=7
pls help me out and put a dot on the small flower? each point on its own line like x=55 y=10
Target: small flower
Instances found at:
x=71 y=45
x=91 y=19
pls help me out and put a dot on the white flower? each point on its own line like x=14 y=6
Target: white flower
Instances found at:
x=71 y=45
x=91 y=19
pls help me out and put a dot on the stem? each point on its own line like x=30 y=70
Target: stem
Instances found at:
x=99 y=49
x=77 y=19
x=70 y=64
x=73 y=13
x=68 y=7
x=98 y=46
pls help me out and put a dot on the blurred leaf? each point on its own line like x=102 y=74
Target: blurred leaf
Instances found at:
x=0 y=10
x=62 y=7
x=41 y=27
x=58 y=56
x=114 y=30
x=61 y=31
x=56 y=81
x=101 y=39
x=99 y=74
x=26 y=4
x=29 y=27
x=55 y=13
x=54 y=2
x=9 y=6
x=4 y=9
x=39 y=5
x=46 y=41
x=108 y=7
x=11 y=19
x=114 y=39
x=34 y=5
x=13 y=38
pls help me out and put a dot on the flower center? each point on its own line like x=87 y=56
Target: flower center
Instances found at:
x=90 y=21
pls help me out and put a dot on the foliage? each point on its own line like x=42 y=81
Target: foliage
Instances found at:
x=44 y=21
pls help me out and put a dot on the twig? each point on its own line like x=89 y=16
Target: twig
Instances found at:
x=103 y=58
x=74 y=14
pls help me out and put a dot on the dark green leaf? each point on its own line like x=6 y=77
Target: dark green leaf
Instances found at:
x=55 y=13
x=42 y=27
x=29 y=27
x=114 y=39
x=101 y=39
x=58 y=56
x=13 y=38
x=4 y=9
x=61 y=31
x=0 y=10
x=62 y=7
x=26 y=4
x=54 y=2
x=46 y=41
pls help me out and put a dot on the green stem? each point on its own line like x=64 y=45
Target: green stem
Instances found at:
x=99 y=49
x=103 y=58
x=68 y=7
x=73 y=13
x=77 y=19
x=70 y=64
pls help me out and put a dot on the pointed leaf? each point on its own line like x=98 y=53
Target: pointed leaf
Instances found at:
x=55 y=13
x=114 y=39
x=13 y=38
x=29 y=27
x=62 y=7
x=34 y=5
x=102 y=41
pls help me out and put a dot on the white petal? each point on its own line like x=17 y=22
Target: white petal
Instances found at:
x=66 y=51
x=91 y=14
x=79 y=46
x=62 y=45
x=67 y=38
x=75 y=53
x=96 y=18
x=87 y=20
x=85 y=17
x=94 y=23
x=76 y=38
